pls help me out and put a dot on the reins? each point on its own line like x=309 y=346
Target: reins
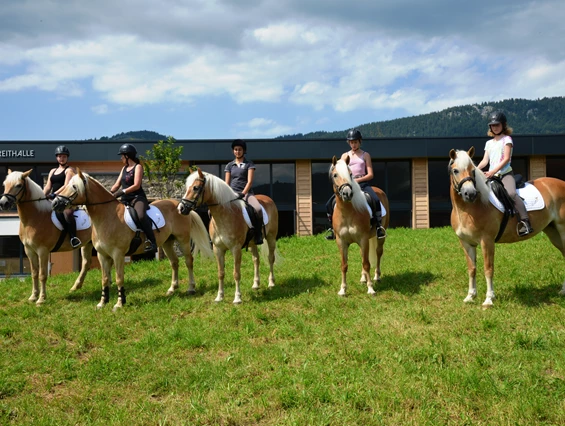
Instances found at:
x=191 y=204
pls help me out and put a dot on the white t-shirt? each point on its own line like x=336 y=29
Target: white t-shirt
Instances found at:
x=495 y=149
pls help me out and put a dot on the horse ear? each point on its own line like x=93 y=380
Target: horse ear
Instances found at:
x=452 y=154
x=334 y=160
x=9 y=171
x=200 y=175
x=26 y=174
x=471 y=152
x=347 y=159
x=79 y=173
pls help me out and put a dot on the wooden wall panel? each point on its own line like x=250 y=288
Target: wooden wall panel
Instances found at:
x=420 y=194
x=537 y=167
x=304 y=215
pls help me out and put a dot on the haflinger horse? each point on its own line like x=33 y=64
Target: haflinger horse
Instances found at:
x=39 y=235
x=476 y=220
x=229 y=228
x=112 y=236
x=351 y=222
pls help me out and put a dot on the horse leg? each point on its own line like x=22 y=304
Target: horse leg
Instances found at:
x=272 y=243
x=119 y=264
x=343 y=248
x=221 y=260
x=555 y=236
x=106 y=265
x=34 y=265
x=256 y=261
x=237 y=274
x=380 y=249
x=168 y=248
x=86 y=254
x=43 y=272
x=471 y=257
x=488 y=256
x=367 y=266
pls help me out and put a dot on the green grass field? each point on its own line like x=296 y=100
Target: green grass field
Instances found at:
x=297 y=354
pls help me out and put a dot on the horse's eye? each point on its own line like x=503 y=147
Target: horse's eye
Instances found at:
x=455 y=171
x=196 y=189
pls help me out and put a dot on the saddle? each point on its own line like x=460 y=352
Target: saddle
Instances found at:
x=254 y=219
x=133 y=216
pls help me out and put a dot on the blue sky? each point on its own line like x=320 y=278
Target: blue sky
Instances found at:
x=209 y=69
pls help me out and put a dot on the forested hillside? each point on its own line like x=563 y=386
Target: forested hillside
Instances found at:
x=542 y=116
x=140 y=135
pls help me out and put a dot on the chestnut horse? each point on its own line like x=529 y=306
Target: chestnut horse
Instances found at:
x=38 y=233
x=476 y=221
x=112 y=236
x=228 y=228
x=351 y=222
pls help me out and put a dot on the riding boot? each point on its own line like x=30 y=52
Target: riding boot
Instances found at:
x=524 y=228
x=381 y=231
x=150 y=242
x=72 y=228
x=331 y=235
x=258 y=229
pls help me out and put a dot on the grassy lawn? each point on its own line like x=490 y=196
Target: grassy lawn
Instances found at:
x=297 y=354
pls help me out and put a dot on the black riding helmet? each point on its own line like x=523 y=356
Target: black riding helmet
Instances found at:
x=62 y=149
x=128 y=149
x=241 y=143
x=354 y=135
x=497 y=117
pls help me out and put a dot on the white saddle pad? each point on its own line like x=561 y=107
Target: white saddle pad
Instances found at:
x=383 y=210
x=82 y=220
x=153 y=212
x=529 y=193
x=248 y=220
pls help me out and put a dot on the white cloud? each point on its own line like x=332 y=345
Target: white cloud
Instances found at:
x=100 y=109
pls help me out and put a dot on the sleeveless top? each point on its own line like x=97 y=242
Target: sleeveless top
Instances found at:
x=238 y=174
x=58 y=181
x=357 y=165
x=128 y=179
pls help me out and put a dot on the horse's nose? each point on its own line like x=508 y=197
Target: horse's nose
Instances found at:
x=470 y=194
x=182 y=209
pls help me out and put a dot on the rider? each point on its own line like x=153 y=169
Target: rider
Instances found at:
x=131 y=192
x=239 y=175
x=362 y=170
x=498 y=156
x=58 y=178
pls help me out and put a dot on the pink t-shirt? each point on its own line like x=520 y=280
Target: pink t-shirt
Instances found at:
x=357 y=165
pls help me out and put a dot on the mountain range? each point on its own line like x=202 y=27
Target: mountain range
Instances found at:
x=540 y=116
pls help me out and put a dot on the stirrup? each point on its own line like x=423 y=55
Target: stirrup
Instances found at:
x=381 y=232
x=524 y=228
x=75 y=242
x=149 y=246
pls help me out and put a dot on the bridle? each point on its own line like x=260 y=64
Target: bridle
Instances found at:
x=342 y=186
x=13 y=199
x=192 y=204
x=69 y=200
x=457 y=185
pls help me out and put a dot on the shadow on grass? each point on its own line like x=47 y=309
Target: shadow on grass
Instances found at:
x=536 y=296
x=288 y=288
x=406 y=282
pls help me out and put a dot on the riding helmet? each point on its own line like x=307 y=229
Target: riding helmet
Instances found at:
x=127 y=149
x=354 y=135
x=62 y=149
x=497 y=117
x=239 y=142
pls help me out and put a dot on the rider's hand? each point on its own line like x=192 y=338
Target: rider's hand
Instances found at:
x=240 y=195
x=118 y=193
x=51 y=196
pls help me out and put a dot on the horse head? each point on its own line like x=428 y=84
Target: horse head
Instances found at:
x=14 y=189
x=72 y=193
x=463 y=174
x=341 y=178
x=195 y=184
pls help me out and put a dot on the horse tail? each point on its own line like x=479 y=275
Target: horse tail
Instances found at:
x=373 y=252
x=199 y=236
x=264 y=252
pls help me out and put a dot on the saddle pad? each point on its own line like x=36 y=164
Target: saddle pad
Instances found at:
x=82 y=220
x=383 y=210
x=153 y=212
x=529 y=193
x=248 y=220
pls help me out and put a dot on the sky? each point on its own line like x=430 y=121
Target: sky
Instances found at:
x=222 y=69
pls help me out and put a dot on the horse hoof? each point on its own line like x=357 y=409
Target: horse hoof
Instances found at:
x=191 y=292
x=170 y=292
x=468 y=299
x=341 y=293
x=237 y=302
x=562 y=292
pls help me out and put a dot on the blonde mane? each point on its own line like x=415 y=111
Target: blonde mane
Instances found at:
x=221 y=190
x=462 y=162
x=34 y=190
x=358 y=199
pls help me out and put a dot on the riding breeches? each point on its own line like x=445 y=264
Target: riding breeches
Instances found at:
x=510 y=186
